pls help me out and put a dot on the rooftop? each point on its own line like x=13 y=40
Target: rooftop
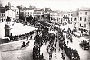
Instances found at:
x=84 y=9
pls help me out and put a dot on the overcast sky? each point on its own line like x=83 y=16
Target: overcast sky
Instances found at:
x=53 y=4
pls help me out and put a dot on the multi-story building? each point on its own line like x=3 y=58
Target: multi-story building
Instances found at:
x=75 y=21
x=12 y=12
x=46 y=15
x=70 y=15
x=55 y=16
x=84 y=20
x=38 y=13
x=26 y=12
x=2 y=14
x=16 y=12
x=65 y=18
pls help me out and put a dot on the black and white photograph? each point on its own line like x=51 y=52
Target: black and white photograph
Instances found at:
x=44 y=29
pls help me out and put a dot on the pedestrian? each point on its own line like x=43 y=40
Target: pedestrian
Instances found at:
x=23 y=44
x=67 y=42
x=59 y=48
x=31 y=37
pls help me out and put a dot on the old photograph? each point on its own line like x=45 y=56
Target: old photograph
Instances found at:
x=44 y=29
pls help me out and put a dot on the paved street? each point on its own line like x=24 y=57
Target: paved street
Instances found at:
x=84 y=54
x=12 y=51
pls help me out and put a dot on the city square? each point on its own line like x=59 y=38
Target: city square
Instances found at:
x=33 y=33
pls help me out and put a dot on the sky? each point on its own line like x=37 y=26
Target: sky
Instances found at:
x=65 y=5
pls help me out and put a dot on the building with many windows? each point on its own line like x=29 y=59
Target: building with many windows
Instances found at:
x=2 y=14
x=55 y=16
x=75 y=21
x=65 y=18
x=26 y=12
x=84 y=20
x=70 y=15
x=16 y=12
x=38 y=13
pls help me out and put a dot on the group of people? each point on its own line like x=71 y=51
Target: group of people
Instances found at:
x=21 y=36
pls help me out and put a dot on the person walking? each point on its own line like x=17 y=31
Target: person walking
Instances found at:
x=67 y=42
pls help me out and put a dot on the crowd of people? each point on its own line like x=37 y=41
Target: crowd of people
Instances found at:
x=53 y=39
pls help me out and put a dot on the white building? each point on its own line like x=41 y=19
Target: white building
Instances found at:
x=10 y=13
x=16 y=12
x=55 y=16
x=84 y=20
x=70 y=15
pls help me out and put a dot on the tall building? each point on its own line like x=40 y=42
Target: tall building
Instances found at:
x=84 y=20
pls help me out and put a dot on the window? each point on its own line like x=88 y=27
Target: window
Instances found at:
x=85 y=19
x=2 y=20
x=80 y=18
x=71 y=19
x=31 y=13
x=71 y=14
x=85 y=13
x=2 y=14
x=66 y=15
x=75 y=19
x=28 y=12
x=80 y=25
x=17 y=12
x=84 y=25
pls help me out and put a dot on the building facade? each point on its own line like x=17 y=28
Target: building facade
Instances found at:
x=38 y=13
x=75 y=21
x=55 y=17
x=2 y=14
x=84 y=21
x=26 y=12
